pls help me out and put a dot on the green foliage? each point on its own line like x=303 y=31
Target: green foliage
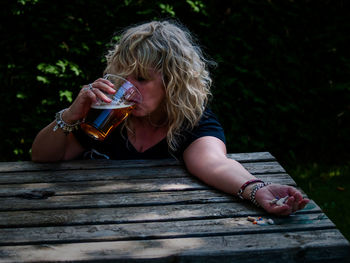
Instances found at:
x=281 y=84
x=167 y=9
x=197 y=6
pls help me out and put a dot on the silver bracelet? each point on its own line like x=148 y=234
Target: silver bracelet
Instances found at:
x=60 y=123
x=253 y=192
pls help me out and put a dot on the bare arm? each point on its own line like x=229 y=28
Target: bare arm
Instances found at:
x=206 y=159
x=51 y=146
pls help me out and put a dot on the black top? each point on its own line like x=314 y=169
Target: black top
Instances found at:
x=117 y=147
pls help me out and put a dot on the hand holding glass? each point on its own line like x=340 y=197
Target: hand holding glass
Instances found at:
x=104 y=117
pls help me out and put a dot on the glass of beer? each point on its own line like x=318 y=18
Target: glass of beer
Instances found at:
x=104 y=117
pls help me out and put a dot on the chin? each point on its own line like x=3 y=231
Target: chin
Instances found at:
x=137 y=112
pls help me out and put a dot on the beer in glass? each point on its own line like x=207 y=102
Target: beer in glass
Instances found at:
x=104 y=117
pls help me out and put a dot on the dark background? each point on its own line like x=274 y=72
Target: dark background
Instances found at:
x=281 y=83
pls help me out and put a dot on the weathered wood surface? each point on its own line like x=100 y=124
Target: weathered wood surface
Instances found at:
x=259 y=169
x=134 y=214
x=127 y=185
x=154 y=230
x=150 y=211
x=110 y=164
x=300 y=246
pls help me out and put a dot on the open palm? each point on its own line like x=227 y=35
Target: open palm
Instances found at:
x=294 y=202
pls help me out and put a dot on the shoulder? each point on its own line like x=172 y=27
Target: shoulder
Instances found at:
x=208 y=125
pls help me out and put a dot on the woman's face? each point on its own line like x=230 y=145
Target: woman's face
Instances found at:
x=153 y=94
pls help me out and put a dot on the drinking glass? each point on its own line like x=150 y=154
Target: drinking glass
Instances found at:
x=103 y=117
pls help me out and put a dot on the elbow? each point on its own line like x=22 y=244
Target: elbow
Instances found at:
x=34 y=155
x=43 y=160
x=35 y=159
x=39 y=157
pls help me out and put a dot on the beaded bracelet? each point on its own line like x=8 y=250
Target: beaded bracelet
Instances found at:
x=60 y=123
x=244 y=186
x=253 y=192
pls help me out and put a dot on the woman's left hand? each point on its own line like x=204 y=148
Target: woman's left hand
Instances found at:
x=294 y=202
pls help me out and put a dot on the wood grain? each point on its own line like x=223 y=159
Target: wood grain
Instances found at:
x=111 y=164
x=258 y=168
x=187 y=182
x=157 y=230
x=151 y=211
x=300 y=246
x=172 y=212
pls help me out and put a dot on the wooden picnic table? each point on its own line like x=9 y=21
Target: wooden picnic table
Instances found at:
x=150 y=211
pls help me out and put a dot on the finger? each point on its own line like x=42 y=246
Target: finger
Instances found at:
x=94 y=91
x=292 y=190
x=285 y=209
x=104 y=85
x=87 y=93
x=99 y=94
x=85 y=89
x=106 y=81
x=303 y=203
x=299 y=201
x=291 y=202
x=297 y=198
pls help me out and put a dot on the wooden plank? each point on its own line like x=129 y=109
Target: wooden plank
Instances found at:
x=91 y=175
x=93 y=187
x=252 y=157
x=112 y=164
x=135 y=214
x=84 y=165
x=303 y=246
x=158 y=230
x=115 y=200
x=263 y=168
x=259 y=169
x=120 y=186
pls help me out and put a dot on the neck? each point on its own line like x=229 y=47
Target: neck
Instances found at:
x=150 y=122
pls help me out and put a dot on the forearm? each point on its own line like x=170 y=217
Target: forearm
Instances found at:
x=49 y=145
x=56 y=142
x=225 y=174
x=52 y=146
x=206 y=159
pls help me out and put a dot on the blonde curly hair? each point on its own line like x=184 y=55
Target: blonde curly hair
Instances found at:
x=169 y=48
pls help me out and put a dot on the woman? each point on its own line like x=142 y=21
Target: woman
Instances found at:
x=170 y=72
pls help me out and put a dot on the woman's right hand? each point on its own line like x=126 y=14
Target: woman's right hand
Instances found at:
x=88 y=95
